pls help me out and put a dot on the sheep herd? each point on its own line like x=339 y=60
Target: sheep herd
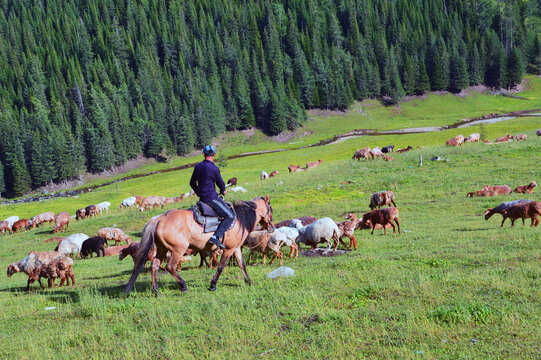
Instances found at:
x=306 y=230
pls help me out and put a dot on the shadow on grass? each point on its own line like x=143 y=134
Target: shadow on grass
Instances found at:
x=466 y=230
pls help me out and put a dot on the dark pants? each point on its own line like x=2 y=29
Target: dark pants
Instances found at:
x=222 y=210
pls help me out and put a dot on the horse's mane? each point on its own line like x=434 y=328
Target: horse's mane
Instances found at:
x=245 y=214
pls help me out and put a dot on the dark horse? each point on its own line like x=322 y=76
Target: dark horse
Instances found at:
x=176 y=231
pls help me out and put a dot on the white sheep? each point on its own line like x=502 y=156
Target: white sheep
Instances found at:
x=291 y=235
x=71 y=244
x=129 y=202
x=264 y=175
x=11 y=220
x=103 y=206
x=322 y=230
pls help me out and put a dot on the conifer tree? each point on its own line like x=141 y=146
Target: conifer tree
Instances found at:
x=2 y=181
x=515 y=67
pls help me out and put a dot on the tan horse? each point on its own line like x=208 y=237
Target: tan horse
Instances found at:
x=176 y=231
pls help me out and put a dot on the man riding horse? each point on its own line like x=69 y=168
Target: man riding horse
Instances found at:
x=206 y=175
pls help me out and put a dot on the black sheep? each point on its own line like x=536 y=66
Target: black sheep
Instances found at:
x=94 y=244
x=388 y=149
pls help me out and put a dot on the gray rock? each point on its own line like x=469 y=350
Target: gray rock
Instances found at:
x=282 y=271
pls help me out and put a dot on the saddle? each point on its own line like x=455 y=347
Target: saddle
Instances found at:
x=207 y=218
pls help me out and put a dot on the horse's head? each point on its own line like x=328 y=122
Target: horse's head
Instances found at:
x=264 y=212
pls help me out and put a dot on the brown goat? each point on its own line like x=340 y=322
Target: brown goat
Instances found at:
x=294 y=168
x=387 y=157
x=520 y=137
x=232 y=182
x=526 y=189
x=313 y=164
x=91 y=210
x=274 y=173
x=404 y=149
x=4 y=226
x=42 y=218
x=505 y=138
x=487 y=193
x=524 y=211
x=80 y=214
x=382 y=198
x=359 y=224
x=456 y=141
x=363 y=153
x=61 y=220
x=383 y=217
x=346 y=230
x=21 y=224
x=499 y=189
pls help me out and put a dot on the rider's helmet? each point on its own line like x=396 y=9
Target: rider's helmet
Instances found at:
x=209 y=150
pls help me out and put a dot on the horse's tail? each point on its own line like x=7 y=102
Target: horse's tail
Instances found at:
x=142 y=253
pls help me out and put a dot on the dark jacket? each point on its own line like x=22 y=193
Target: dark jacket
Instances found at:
x=205 y=175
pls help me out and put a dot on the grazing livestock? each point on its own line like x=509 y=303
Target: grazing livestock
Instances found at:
x=359 y=223
x=387 y=158
x=231 y=182
x=456 y=141
x=114 y=234
x=520 y=137
x=487 y=141
x=505 y=138
x=320 y=231
x=294 y=168
x=473 y=137
x=382 y=198
x=80 y=214
x=524 y=211
x=499 y=189
x=94 y=244
x=526 y=189
x=128 y=202
x=171 y=200
x=291 y=235
x=313 y=164
x=20 y=224
x=4 y=226
x=304 y=220
x=114 y=250
x=404 y=149
x=103 y=206
x=382 y=217
x=274 y=173
x=11 y=220
x=503 y=206
x=265 y=242
x=487 y=193
x=150 y=202
x=387 y=149
x=91 y=210
x=61 y=220
x=72 y=244
x=376 y=152
x=138 y=199
x=363 y=153
x=133 y=248
x=49 y=265
x=264 y=175
x=42 y=218
x=538 y=132
x=346 y=229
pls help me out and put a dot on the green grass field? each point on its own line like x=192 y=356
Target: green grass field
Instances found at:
x=452 y=285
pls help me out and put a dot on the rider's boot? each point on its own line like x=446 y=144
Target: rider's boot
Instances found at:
x=216 y=241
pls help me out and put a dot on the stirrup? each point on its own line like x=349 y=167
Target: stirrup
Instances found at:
x=216 y=241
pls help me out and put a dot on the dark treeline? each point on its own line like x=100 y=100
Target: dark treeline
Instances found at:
x=87 y=85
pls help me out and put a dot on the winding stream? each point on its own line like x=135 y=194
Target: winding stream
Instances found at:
x=487 y=119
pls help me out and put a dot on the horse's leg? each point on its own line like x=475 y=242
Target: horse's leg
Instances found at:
x=223 y=261
x=172 y=268
x=242 y=265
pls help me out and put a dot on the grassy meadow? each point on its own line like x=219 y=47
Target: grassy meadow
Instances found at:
x=451 y=285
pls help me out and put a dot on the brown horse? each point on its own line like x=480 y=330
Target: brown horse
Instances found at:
x=176 y=231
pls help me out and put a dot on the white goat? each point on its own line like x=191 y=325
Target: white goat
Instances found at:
x=129 y=202
x=264 y=175
x=103 y=206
